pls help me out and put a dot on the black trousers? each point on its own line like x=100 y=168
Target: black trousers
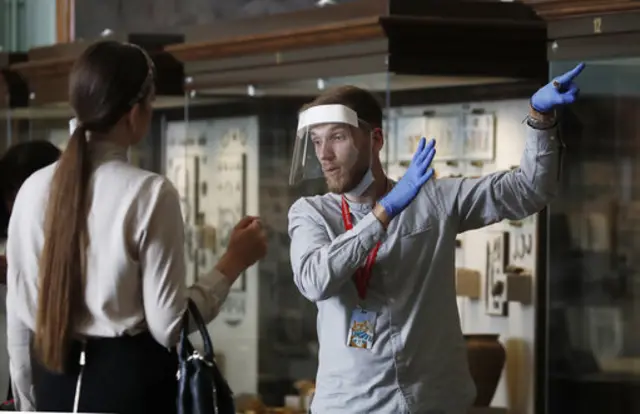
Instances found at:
x=126 y=375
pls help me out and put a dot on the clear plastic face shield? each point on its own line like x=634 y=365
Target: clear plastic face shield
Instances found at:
x=328 y=145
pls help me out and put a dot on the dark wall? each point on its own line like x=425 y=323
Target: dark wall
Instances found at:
x=150 y=16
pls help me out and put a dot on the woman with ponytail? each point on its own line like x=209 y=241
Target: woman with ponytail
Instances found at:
x=95 y=251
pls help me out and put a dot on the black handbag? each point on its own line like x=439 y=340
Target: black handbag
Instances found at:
x=201 y=387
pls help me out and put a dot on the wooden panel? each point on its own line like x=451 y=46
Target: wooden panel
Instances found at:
x=562 y=9
x=365 y=48
x=598 y=25
x=150 y=42
x=595 y=47
x=296 y=19
x=601 y=36
x=355 y=65
x=590 y=29
x=278 y=41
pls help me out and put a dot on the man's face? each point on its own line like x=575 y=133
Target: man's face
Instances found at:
x=344 y=154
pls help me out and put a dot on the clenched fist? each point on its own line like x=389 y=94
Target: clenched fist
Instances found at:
x=247 y=245
x=248 y=241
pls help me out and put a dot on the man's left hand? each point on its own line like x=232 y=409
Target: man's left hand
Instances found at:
x=561 y=91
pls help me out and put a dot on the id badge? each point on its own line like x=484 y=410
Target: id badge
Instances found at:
x=361 y=329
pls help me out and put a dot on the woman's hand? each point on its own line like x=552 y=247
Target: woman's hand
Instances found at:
x=247 y=245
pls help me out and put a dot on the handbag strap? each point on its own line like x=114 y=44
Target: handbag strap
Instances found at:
x=81 y=362
x=184 y=346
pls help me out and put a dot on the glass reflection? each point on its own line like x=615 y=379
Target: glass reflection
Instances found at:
x=593 y=287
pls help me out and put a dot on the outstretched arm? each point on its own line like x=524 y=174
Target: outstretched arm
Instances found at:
x=525 y=191
x=477 y=202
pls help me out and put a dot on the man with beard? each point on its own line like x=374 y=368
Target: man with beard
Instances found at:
x=377 y=257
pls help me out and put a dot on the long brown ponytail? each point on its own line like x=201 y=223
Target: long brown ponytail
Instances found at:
x=61 y=299
x=105 y=83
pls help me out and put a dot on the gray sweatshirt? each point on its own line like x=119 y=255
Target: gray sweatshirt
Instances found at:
x=418 y=363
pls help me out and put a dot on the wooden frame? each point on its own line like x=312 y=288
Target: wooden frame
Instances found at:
x=595 y=37
x=562 y=9
x=330 y=34
x=65 y=20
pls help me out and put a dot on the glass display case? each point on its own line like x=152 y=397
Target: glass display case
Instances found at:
x=588 y=341
x=227 y=146
x=14 y=17
x=229 y=151
x=593 y=281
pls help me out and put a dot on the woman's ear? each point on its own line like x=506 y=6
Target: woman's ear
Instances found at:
x=133 y=118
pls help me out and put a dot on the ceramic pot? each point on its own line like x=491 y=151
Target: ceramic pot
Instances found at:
x=486 y=361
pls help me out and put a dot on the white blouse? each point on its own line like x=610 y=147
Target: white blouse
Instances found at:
x=135 y=275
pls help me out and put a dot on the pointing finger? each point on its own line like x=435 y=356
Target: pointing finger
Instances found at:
x=566 y=78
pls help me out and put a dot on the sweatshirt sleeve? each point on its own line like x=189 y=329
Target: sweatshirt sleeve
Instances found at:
x=321 y=265
x=516 y=194
x=161 y=250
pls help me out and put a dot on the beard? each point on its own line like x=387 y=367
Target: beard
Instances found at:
x=345 y=182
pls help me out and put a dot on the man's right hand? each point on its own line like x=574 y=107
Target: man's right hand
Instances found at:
x=247 y=245
x=418 y=173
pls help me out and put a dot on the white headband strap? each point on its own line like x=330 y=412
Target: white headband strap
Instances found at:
x=325 y=114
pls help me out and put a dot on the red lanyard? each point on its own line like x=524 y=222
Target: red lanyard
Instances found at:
x=363 y=274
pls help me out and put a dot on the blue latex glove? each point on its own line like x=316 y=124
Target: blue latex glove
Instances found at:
x=418 y=173
x=560 y=91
